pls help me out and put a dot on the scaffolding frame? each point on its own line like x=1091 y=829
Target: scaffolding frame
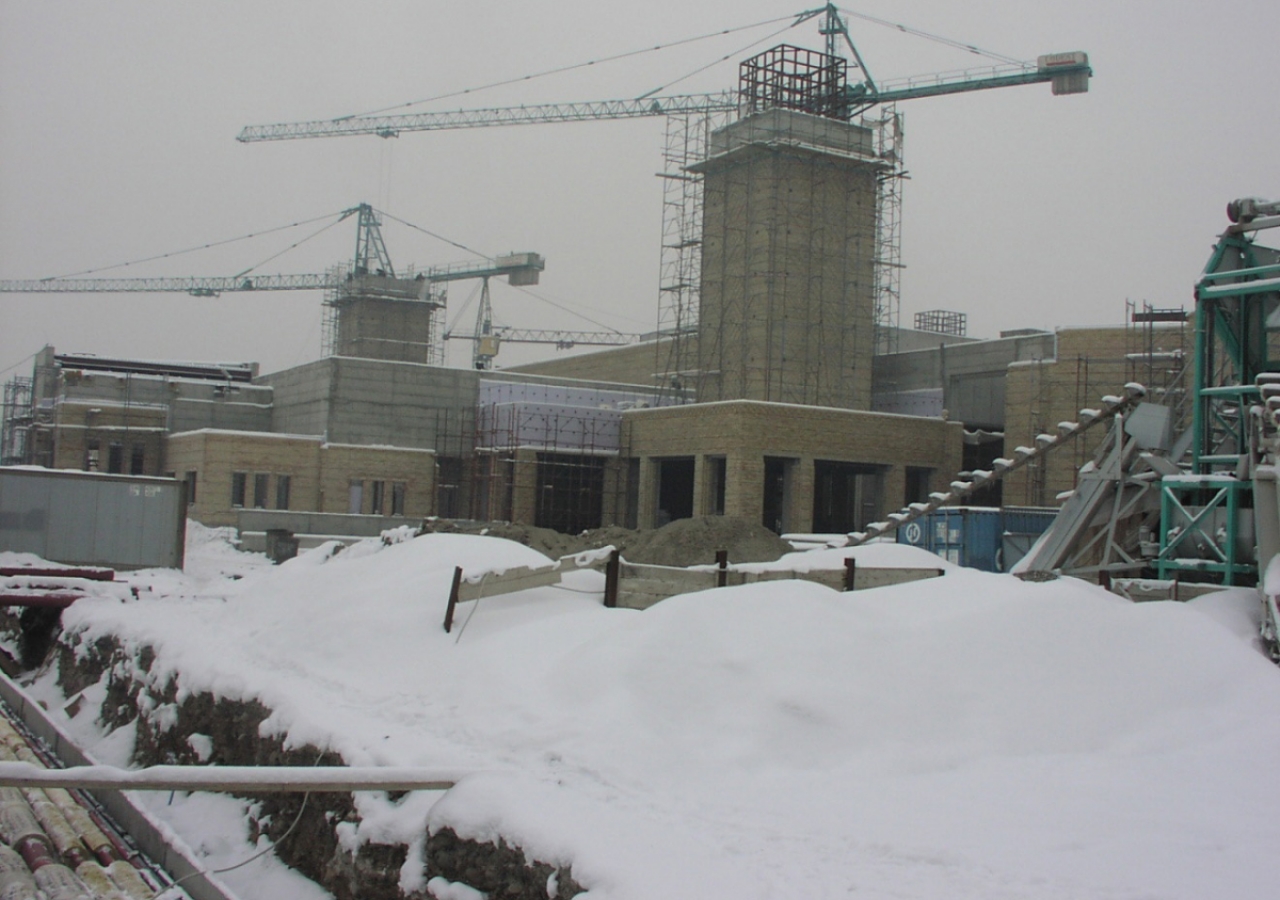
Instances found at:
x=562 y=470
x=1163 y=370
x=791 y=236
x=351 y=289
x=942 y=321
x=790 y=77
x=680 y=280
x=782 y=78
x=16 y=420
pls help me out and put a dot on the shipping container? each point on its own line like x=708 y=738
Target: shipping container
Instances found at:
x=88 y=518
x=980 y=537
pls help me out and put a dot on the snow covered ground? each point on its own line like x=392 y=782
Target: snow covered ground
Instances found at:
x=965 y=737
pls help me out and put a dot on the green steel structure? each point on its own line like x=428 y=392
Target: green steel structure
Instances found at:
x=1207 y=515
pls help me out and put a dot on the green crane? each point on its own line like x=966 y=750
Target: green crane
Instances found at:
x=1068 y=73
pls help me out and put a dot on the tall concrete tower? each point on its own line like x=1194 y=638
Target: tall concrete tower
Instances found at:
x=787 y=308
x=383 y=317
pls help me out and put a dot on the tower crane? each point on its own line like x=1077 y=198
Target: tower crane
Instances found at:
x=370 y=259
x=488 y=337
x=1068 y=73
x=370 y=274
x=832 y=96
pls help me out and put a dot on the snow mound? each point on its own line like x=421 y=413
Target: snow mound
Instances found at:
x=969 y=735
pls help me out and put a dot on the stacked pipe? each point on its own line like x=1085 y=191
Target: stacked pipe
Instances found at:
x=1045 y=443
x=52 y=848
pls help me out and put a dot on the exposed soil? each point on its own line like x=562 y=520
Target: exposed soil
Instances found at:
x=165 y=722
x=684 y=542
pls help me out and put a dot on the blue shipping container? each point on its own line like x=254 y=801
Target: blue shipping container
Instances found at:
x=977 y=536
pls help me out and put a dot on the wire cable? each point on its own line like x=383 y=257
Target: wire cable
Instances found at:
x=566 y=309
x=287 y=249
x=20 y=362
x=438 y=237
x=242 y=237
x=717 y=62
x=560 y=69
x=457 y=316
x=164 y=895
x=917 y=32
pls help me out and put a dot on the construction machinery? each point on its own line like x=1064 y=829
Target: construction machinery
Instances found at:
x=785 y=76
x=488 y=337
x=1068 y=73
x=370 y=279
x=1196 y=508
x=370 y=309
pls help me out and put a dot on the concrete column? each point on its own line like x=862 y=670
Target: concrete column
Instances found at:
x=615 y=488
x=648 y=493
x=524 y=496
x=799 y=516
x=700 y=470
x=744 y=486
x=895 y=490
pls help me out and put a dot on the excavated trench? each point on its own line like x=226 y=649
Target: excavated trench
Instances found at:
x=165 y=725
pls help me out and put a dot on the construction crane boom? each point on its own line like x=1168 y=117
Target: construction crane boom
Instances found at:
x=518 y=265
x=197 y=286
x=392 y=126
x=563 y=339
x=1069 y=73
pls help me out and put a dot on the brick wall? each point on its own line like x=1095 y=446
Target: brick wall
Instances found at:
x=745 y=433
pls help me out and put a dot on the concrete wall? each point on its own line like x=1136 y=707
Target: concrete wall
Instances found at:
x=908 y=339
x=83 y=434
x=642 y=364
x=368 y=401
x=970 y=376
x=374 y=328
x=402 y=404
x=745 y=433
x=788 y=288
x=214 y=455
x=320 y=474
x=301 y=397
x=134 y=411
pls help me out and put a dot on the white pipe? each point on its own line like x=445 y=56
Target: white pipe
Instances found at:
x=238 y=779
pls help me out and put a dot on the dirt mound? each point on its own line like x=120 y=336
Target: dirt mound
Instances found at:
x=691 y=542
x=544 y=540
x=684 y=542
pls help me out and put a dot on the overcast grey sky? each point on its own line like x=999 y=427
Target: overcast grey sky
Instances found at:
x=117 y=127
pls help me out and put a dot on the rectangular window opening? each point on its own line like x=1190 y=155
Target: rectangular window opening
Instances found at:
x=191 y=487
x=282 y=491
x=238 y=482
x=398 y=490
x=675 y=489
x=717 y=469
x=260 y=482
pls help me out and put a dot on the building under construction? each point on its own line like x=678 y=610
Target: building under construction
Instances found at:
x=780 y=388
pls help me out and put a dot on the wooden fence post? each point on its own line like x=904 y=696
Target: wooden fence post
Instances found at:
x=722 y=568
x=453 y=599
x=612 y=571
x=1104 y=579
x=850 y=570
